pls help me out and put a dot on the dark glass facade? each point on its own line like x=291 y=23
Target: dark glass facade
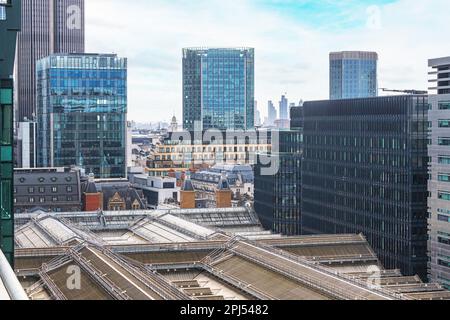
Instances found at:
x=218 y=89
x=278 y=197
x=82 y=109
x=365 y=171
x=48 y=26
x=9 y=26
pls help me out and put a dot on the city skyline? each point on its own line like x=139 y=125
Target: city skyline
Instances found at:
x=292 y=42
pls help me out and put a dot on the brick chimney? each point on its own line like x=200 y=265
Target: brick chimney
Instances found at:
x=223 y=193
x=187 y=194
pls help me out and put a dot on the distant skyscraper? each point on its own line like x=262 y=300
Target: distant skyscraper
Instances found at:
x=353 y=74
x=364 y=170
x=284 y=113
x=9 y=26
x=219 y=88
x=82 y=108
x=257 y=116
x=272 y=113
x=48 y=26
x=439 y=173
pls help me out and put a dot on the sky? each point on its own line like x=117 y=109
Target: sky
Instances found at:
x=292 y=41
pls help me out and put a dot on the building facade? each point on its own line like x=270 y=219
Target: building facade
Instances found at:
x=439 y=174
x=353 y=74
x=82 y=110
x=240 y=179
x=173 y=155
x=48 y=26
x=277 y=199
x=218 y=88
x=157 y=190
x=9 y=26
x=365 y=171
x=47 y=189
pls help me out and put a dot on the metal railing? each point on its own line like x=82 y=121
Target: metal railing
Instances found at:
x=151 y=280
x=99 y=277
x=52 y=287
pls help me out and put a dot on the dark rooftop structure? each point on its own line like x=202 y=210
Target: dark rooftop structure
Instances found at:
x=47 y=189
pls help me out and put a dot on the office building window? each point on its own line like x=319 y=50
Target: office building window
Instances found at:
x=443 y=195
x=444 y=123
x=444 y=141
x=444 y=159
x=2 y=13
x=444 y=105
x=444 y=177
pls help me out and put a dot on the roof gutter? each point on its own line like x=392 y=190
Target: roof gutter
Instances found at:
x=10 y=280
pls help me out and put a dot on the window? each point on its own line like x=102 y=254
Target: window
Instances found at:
x=444 y=105
x=444 y=240
x=444 y=159
x=55 y=199
x=31 y=190
x=41 y=190
x=42 y=200
x=444 y=123
x=31 y=200
x=444 y=141
x=54 y=189
x=444 y=177
x=444 y=263
x=443 y=218
x=443 y=195
x=2 y=13
x=69 y=199
x=69 y=189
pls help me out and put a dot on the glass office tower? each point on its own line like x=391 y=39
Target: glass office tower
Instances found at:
x=364 y=171
x=9 y=26
x=82 y=109
x=353 y=74
x=219 y=88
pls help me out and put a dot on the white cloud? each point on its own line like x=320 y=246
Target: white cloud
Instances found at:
x=291 y=55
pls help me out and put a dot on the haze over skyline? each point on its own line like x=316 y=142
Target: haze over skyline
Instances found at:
x=292 y=41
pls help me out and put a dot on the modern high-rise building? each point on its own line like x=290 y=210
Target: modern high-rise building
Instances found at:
x=82 y=113
x=284 y=113
x=353 y=74
x=277 y=197
x=272 y=113
x=9 y=26
x=48 y=26
x=439 y=172
x=364 y=170
x=218 y=88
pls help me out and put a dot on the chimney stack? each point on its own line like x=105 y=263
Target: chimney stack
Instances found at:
x=187 y=194
x=223 y=193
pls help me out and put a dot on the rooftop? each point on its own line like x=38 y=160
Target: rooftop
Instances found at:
x=194 y=254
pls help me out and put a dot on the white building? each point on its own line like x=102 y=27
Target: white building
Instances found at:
x=439 y=181
x=157 y=190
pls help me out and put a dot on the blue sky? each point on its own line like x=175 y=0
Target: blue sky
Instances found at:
x=292 y=39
